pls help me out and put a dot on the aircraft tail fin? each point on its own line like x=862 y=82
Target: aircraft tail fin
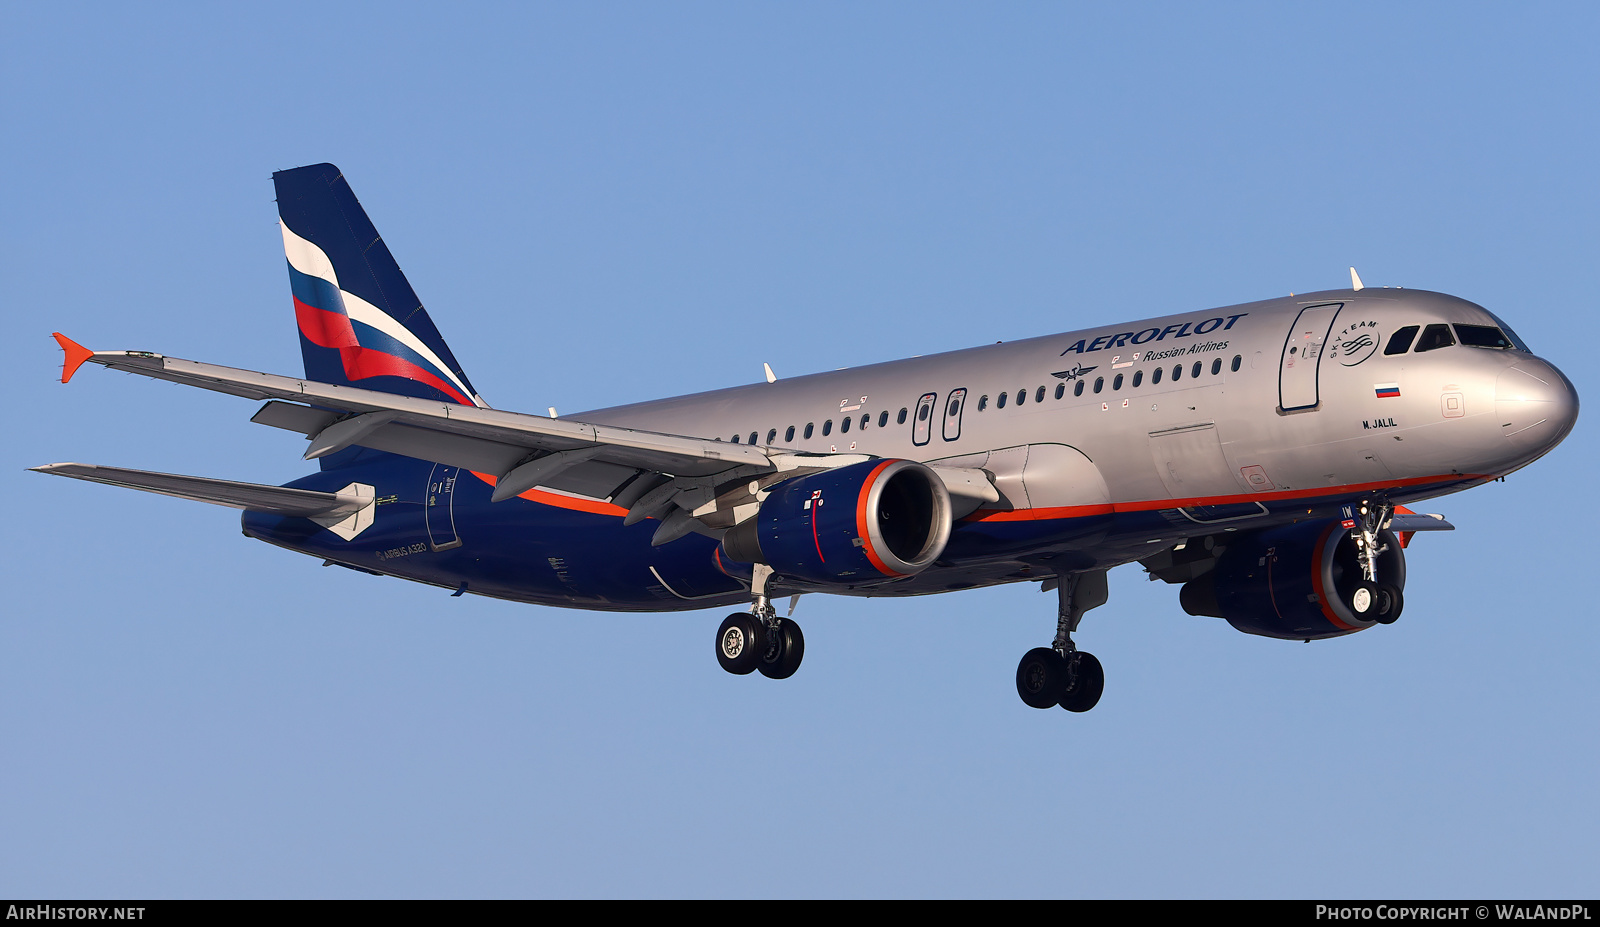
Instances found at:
x=360 y=322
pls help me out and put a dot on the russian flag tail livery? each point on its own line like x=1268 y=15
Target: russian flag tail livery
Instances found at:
x=360 y=322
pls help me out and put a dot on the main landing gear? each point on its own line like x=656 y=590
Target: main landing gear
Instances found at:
x=1061 y=674
x=1372 y=599
x=759 y=639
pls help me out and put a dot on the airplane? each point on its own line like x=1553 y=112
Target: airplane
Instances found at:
x=1260 y=456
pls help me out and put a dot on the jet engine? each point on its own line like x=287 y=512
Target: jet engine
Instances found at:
x=1299 y=582
x=862 y=524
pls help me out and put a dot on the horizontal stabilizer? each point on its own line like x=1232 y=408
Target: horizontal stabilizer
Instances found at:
x=255 y=497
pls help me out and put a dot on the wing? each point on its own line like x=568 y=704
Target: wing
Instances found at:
x=691 y=484
x=346 y=513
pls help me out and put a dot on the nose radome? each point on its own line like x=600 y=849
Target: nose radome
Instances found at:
x=1536 y=404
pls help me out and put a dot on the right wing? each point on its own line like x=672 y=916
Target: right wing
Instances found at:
x=690 y=484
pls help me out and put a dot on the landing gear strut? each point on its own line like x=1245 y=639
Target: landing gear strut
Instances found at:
x=1061 y=674
x=1373 y=598
x=759 y=639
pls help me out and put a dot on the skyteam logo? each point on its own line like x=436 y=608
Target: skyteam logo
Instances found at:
x=370 y=342
x=1356 y=343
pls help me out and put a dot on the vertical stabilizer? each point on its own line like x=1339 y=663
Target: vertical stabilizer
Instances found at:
x=360 y=322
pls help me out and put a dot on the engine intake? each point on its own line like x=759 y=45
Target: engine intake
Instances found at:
x=865 y=523
x=1296 y=582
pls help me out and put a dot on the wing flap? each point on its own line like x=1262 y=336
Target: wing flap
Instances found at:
x=255 y=497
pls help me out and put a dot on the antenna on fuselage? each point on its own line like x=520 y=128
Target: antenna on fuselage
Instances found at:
x=771 y=377
x=1355 y=279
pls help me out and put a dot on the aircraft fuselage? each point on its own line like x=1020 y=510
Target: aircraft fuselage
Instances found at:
x=1105 y=445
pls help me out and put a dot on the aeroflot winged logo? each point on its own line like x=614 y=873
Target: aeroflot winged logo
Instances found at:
x=369 y=341
x=1184 y=330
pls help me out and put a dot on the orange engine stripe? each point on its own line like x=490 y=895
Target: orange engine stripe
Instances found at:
x=861 y=521
x=1316 y=580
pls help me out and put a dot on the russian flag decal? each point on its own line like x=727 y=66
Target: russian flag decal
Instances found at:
x=1387 y=390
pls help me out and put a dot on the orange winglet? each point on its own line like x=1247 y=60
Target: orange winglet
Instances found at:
x=76 y=355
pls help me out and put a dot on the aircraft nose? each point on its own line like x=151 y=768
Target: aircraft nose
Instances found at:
x=1536 y=404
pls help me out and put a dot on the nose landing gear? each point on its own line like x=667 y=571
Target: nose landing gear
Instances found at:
x=1380 y=601
x=1061 y=674
x=759 y=639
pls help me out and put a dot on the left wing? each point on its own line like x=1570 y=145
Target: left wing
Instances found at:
x=347 y=512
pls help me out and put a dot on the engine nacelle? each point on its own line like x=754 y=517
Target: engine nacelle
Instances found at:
x=1295 y=582
x=865 y=523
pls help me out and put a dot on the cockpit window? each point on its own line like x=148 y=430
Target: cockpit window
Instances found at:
x=1516 y=342
x=1435 y=337
x=1400 y=341
x=1482 y=336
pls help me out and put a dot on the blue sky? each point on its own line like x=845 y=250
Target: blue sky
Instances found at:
x=602 y=203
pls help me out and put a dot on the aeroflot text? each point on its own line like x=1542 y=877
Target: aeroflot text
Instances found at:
x=1085 y=346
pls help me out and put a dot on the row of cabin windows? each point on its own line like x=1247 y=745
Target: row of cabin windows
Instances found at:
x=1000 y=401
x=1156 y=376
x=1438 y=336
x=827 y=427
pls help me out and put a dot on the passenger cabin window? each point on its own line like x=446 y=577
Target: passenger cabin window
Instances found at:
x=772 y=436
x=883 y=419
x=1077 y=389
x=734 y=439
x=1177 y=373
x=1099 y=383
x=1138 y=377
x=844 y=425
x=1061 y=390
x=1022 y=396
x=1155 y=375
x=1400 y=341
x=1000 y=401
x=753 y=437
x=1216 y=366
x=1116 y=383
x=809 y=427
x=901 y=420
x=1195 y=370
x=1235 y=365
x=788 y=436
x=983 y=402
x=1482 y=336
x=1039 y=396
x=865 y=418
x=827 y=428
x=1435 y=337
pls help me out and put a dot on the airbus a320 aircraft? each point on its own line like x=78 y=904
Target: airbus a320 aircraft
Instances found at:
x=1261 y=455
